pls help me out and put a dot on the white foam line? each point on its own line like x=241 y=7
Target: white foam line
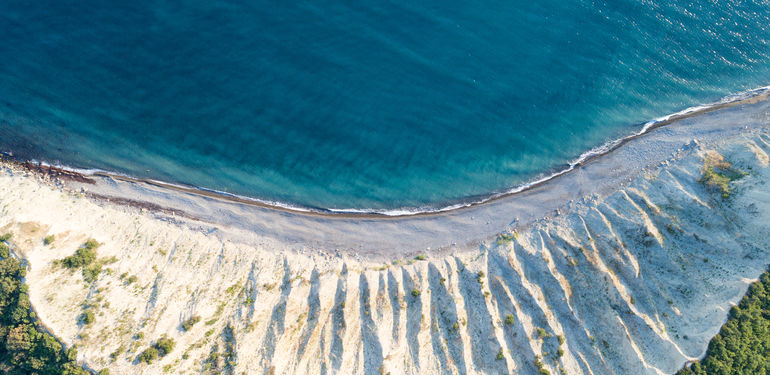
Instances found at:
x=410 y=211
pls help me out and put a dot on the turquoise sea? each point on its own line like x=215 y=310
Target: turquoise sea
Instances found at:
x=362 y=105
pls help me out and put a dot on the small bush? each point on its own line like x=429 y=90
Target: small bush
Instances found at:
x=48 y=239
x=88 y=317
x=148 y=355
x=6 y=237
x=420 y=257
x=91 y=272
x=540 y=367
x=82 y=257
x=415 y=292
x=91 y=244
x=165 y=345
x=189 y=323
x=509 y=319
x=541 y=333
x=5 y=252
x=114 y=355
x=718 y=173
x=499 y=354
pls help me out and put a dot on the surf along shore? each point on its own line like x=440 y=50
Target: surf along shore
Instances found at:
x=372 y=234
x=626 y=264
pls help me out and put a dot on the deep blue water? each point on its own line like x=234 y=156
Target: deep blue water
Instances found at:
x=358 y=104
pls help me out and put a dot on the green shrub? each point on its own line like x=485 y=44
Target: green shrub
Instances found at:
x=91 y=272
x=85 y=258
x=420 y=257
x=6 y=237
x=509 y=319
x=717 y=175
x=82 y=257
x=540 y=367
x=165 y=345
x=88 y=317
x=499 y=354
x=189 y=323
x=48 y=239
x=148 y=355
x=415 y=292
x=5 y=252
x=91 y=244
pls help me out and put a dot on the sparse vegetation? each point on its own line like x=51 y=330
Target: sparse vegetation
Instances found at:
x=24 y=347
x=540 y=367
x=148 y=355
x=420 y=257
x=541 y=333
x=162 y=347
x=718 y=174
x=83 y=256
x=92 y=271
x=499 y=354
x=48 y=239
x=415 y=292
x=165 y=345
x=504 y=238
x=88 y=317
x=189 y=323
x=509 y=320
x=114 y=355
x=741 y=346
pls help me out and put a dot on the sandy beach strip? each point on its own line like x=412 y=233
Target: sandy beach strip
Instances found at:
x=377 y=235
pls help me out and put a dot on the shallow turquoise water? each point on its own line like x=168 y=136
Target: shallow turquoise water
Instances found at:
x=360 y=104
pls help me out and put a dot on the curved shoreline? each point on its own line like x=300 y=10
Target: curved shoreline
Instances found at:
x=83 y=175
x=600 y=252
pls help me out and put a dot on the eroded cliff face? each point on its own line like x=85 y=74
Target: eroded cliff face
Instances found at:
x=631 y=283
